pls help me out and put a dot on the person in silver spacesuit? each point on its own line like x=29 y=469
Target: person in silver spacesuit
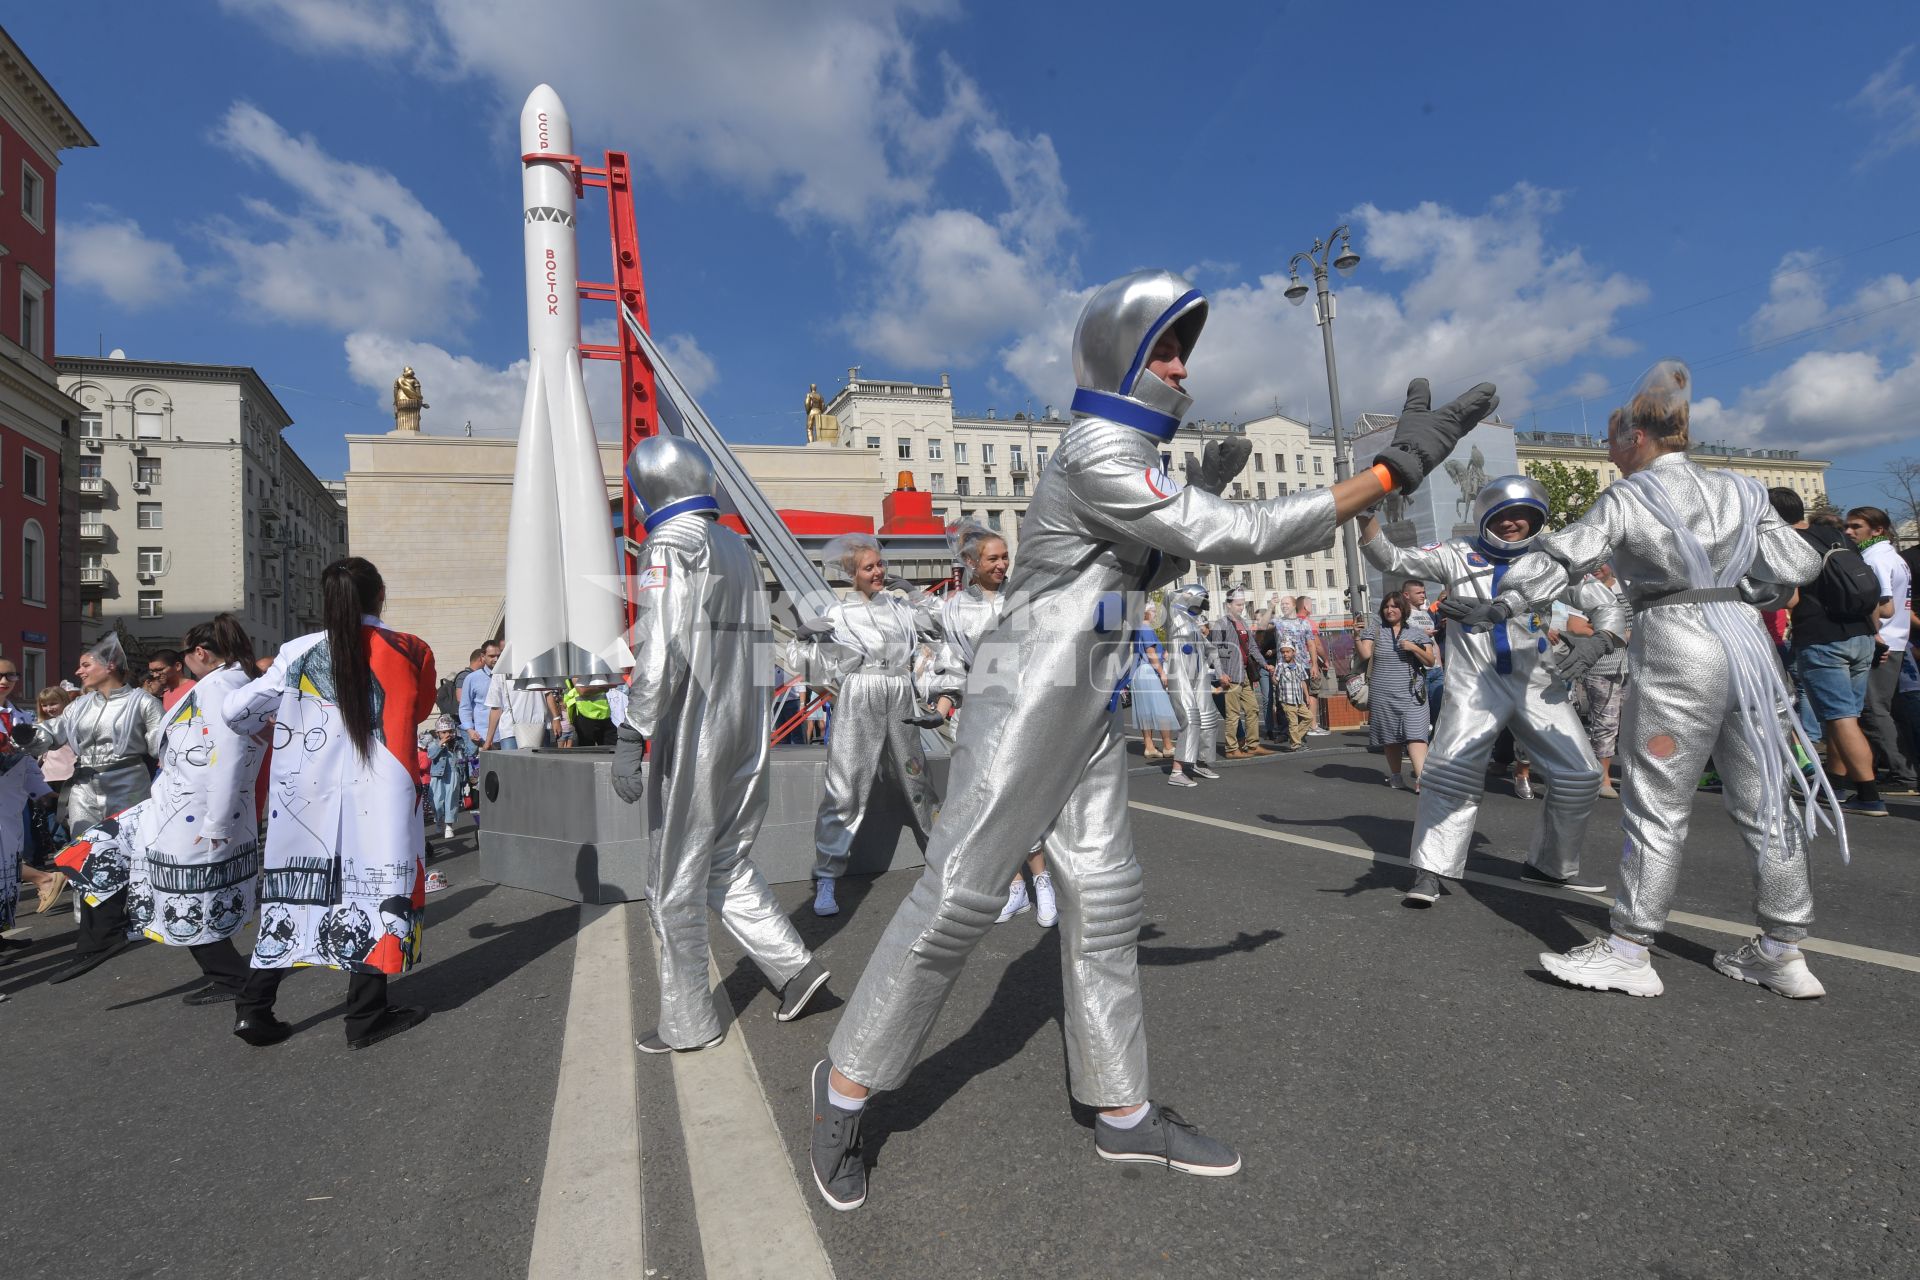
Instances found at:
x=702 y=695
x=955 y=624
x=1700 y=550
x=1041 y=744
x=1193 y=675
x=1502 y=678
x=864 y=643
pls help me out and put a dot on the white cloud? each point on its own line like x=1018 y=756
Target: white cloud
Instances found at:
x=359 y=26
x=1487 y=297
x=1796 y=298
x=113 y=255
x=697 y=371
x=356 y=251
x=1894 y=102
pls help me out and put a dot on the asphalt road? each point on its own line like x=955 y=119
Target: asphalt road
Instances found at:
x=1411 y=1093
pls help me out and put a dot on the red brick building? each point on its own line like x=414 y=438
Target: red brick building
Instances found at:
x=39 y=447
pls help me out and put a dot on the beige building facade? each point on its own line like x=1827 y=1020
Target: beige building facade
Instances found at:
x=191 y=503
x=1774 y=468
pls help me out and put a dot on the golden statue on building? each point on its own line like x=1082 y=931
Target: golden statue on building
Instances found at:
x=816 y=407
x=407 y=401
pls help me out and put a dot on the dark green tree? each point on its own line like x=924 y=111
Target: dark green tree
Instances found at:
x=1570 y=490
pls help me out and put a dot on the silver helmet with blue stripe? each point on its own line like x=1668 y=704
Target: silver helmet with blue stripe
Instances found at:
x=1114 y=339
x=1192 y=597
x=1506 y=496
x=669 y=477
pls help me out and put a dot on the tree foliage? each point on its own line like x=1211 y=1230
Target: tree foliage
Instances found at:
x=1570 y=490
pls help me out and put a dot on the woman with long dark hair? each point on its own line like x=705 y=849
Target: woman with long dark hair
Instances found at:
x=191 y=850
x=344 y=878
x=115 y=733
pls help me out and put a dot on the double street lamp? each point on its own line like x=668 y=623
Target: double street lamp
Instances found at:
x=1344 y=262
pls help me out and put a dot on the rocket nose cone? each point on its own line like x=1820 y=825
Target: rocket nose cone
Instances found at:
x=544 y=126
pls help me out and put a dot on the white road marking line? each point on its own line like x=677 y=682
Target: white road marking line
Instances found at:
x=1733 y=928
x=589 y=1221
x=747 y=1198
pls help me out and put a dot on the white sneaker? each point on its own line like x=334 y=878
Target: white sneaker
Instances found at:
x=1016 y=902
x=447 y=832
x=1046 y=911
x=1180 y=780
x=1201 y=771
x=1393 y=780
x=1598 y=967
x=437 y=882
x=1317 y=732
x=1788 y=975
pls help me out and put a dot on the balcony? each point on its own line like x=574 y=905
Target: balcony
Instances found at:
x=93 y=532
x=93 y=486
x=95 y=578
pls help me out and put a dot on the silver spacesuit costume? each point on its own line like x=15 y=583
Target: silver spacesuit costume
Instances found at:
x=1696 y=549
x=1501 y=679
x=1191 y=672
x=957 y=623
x=702 y=695
x=871 y=652
x=114 y=736
x=1041 y=743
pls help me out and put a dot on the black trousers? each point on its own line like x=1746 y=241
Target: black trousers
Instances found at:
x=223 y=964
x=592 y=733
x=102 y=926
x=366 y=998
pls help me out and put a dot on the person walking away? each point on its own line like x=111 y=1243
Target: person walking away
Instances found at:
x=345 y=875
x=702 y=700
x=516 y=718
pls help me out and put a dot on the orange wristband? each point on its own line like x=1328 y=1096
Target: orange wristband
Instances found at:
x=1384 y=476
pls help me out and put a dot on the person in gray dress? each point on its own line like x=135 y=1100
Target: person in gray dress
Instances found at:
x=1398 y=657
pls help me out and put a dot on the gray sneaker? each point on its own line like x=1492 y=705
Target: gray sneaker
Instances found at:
x=1164 y=1138
x=652 y=1043
x=800 y=990
x=839 y=1168
x=1425 y=891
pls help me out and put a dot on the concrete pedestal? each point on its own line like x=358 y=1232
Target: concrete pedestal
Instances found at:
x=550 y=822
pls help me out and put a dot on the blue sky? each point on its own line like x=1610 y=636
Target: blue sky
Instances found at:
x=326 y=189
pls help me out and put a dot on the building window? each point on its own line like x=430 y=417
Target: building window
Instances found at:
x=148 y=424
x=993 y=484
x=873 y=442
x=1280 y=488
x=150 y=605
x=33 y=196
x=147 y=516
x=33 y=668
x=939 y=482
x=933 y=448
x=1310 y=578
x=1316 y=466
x=33 y=475
x=90 y=466
x=986 y=455
x=1039 y=457
x=961 y=485
x=960 y=451
x=1267 y=578
x=1289 y=579
x=1260 y=489
x=1016 y=457
x=92 y=426
x=1238 y=490
x=1019 y=487
x=993 y=519
x=146 y=470
x=903 y=446
x=1260 y=464
x=33 y=313
x=33 y=564
x=153 y=560
x=1300 y=463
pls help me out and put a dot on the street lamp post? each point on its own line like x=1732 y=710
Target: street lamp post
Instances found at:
x=1344 y=262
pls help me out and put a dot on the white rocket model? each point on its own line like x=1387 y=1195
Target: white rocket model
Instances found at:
x=565 y=614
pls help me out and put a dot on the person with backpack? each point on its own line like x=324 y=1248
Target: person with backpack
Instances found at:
x=1830 y=631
